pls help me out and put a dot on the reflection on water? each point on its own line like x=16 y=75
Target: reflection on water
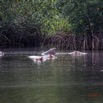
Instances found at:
x=66 y=79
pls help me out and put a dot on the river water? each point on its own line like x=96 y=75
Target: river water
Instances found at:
x=66 y=79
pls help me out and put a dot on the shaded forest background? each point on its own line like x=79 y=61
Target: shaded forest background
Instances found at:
x=65 y=24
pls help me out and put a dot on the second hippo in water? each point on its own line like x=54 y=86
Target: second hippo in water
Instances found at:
x=77 y=53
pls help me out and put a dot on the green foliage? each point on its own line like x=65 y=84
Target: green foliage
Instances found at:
x=40 y=14
x=85 y=16
x=50 y=16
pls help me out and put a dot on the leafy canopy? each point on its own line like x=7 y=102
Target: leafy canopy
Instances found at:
x=40 y=14
x=85 y=16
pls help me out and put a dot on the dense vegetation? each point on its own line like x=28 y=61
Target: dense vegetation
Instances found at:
x=73 y=24
x=85 y=17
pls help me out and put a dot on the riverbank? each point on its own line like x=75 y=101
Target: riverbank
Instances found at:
x=60 y=40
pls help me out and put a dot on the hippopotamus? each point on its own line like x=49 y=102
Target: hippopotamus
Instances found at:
x=50 y=51
x=77 y=53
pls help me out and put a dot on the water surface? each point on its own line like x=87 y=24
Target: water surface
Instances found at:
x=66 y=79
